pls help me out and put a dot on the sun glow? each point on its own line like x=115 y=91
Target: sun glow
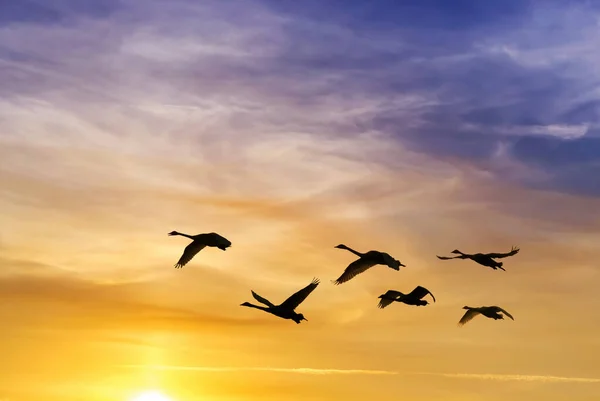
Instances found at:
x=151 y=396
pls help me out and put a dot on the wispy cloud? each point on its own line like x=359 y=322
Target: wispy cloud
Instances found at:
x=527 y=378
x=445 y=92
x=306 y=371
x=321 y=371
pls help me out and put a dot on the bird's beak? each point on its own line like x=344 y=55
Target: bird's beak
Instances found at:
x=306 y=319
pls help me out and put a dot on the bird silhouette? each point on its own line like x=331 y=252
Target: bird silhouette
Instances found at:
x=364 y=262
x=200 y=242
x=285 y=310
x=492 y=312
x=415 y=297
x=485 y=259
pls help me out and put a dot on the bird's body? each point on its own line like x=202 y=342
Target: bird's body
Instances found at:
x=484 y=259
x=492 y=312
x=198 y=243
x=364 y=262
x=415 y=297
x=285 y=310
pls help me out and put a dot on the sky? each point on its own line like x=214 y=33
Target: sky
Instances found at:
x=409 y=127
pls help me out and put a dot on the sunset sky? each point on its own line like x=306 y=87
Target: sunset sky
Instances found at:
x=410 y=127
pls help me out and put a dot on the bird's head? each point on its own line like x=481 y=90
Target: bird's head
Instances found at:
x=246 y=304
x=299 y=317
x=456 y=251
x=395 y=264
x=340 y=246
x=499 y=264
x=173 y=233
x=467 y=307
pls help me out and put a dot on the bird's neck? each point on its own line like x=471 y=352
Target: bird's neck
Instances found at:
x=184 y=235
x=249 y=305
x=352 y=250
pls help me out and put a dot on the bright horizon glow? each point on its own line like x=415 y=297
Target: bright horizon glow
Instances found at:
x=151 y=395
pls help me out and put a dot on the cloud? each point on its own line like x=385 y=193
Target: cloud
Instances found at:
x=313 y=371
x=527 y=378
x=458 y=90
x=308 y=371
x=76 y=302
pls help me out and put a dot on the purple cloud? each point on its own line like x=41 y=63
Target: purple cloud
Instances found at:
x=461 y=81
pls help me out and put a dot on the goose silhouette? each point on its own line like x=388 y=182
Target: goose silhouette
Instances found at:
x=415 y=297
x=199 y=242
x=492 y=312
x=484 y=259
x=364 y=262
x=285 y=310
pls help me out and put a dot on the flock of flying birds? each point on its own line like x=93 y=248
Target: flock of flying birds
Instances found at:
x=365 y=261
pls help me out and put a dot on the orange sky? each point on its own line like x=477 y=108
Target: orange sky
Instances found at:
x=91 y=301
x=114 y=132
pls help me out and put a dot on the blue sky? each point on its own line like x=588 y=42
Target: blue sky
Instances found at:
x=509 y=86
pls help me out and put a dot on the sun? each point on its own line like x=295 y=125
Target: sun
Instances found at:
x=151 y=396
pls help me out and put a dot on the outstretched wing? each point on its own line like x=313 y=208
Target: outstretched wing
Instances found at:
x=296 y=299
x=261 y=299
x=470 y=314
x=388 y=298
x=499 y=309
x=419 y=292
x=188 y=253
x=358 y=266
x=513 y=251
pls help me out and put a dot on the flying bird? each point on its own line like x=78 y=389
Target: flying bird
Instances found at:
x=285 y=310
x=485 y=259
x=415 y=297
x=493 y=312
x=364 y=262
x=200 y=242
